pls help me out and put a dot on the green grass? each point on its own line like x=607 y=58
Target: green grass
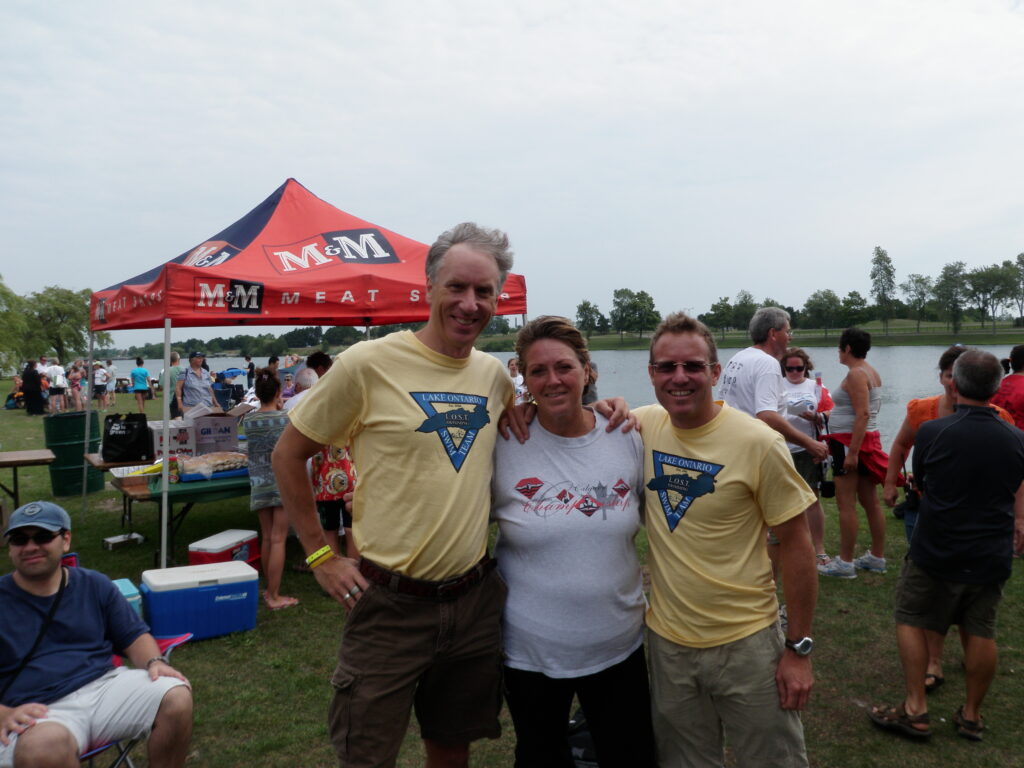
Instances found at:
x=261 y=696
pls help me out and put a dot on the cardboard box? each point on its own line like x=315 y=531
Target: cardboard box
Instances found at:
x=207 y=600
x=214 y=429
x=234 y=544
x=182 y=438
x=131 y=594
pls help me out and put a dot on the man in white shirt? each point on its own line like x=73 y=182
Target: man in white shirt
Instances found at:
x=752 y=381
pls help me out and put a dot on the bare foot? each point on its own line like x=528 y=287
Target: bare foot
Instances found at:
x=279 y=602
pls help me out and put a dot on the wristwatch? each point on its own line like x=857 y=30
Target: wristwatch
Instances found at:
x=801 y=647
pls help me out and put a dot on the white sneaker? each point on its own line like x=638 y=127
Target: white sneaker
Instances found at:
x=868 y=562
x=838 y=568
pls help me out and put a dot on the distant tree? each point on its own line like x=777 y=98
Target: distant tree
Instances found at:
x=621 y=316
x=58 y=319
x=853 y=310
x=950 y=292
x=499 y=326
x=645 y=316
x=743 y=308
x=918 y=290
x=588 y=317
x=883 y=285
x=1016 y=270
x=13 y=330
x=822 y=310
x=342 y=335
x=304 y=337
x=719 y=316
x=989 y=288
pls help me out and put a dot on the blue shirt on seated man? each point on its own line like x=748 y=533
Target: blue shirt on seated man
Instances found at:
x=60 y=693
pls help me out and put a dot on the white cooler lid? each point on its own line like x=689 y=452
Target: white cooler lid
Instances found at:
x=205 y=575
x=221 y=541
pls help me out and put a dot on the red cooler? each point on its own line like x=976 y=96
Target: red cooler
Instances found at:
x=226 y=546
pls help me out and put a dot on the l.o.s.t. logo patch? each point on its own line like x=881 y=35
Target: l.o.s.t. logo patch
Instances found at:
x=678 y=481
x=456 y=417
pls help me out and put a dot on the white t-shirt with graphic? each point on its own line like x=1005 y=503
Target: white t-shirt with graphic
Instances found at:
x=567 y=511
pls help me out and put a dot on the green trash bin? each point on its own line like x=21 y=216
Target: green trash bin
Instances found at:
x=65 y=434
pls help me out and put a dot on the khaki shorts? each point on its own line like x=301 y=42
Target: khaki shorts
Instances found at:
x=122 y=704
x=400 y=653
x=702 y=696
x=928 y=603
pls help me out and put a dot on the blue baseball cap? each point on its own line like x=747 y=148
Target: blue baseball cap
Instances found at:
x=40 y=514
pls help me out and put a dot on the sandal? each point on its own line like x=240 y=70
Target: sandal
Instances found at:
x=933 y=682
x=896 y=719
x=969 y=729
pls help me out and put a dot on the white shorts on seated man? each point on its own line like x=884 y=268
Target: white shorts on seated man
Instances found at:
x=60 y=693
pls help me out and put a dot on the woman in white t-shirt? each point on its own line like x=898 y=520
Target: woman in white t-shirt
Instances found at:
x=568 y=506
x=807 y=402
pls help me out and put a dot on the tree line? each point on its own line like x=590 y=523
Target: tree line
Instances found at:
x=952 y=296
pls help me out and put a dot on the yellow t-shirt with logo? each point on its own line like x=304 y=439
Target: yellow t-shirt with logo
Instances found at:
x=710 y=494
x=421 y=428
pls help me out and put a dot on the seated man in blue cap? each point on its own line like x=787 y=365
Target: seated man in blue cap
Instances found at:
x=59 y=691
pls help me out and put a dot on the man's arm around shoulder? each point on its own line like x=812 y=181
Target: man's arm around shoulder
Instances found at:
x=794 y=676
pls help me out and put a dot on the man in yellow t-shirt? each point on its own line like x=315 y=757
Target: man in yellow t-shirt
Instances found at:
x=715 y=479
x=419 y=412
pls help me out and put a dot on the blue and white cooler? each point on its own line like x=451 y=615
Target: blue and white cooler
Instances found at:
x=207 y=600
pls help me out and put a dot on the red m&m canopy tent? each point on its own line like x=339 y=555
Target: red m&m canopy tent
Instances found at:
x=292 y=260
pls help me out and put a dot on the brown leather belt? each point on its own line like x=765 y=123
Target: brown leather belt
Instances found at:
x=438 y=591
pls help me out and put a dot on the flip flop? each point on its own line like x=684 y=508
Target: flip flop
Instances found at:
x=933 y=682
x=969 y=729
x=896 y=719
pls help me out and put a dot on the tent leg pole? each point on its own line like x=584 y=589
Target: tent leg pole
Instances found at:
x=88 y=420
x=165 y=464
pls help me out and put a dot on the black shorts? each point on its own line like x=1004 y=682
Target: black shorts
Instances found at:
x=99 y=389
x=57 y=390
x=333 y=515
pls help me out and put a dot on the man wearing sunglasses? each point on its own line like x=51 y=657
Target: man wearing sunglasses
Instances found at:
x=752 y=380
x=60 y=693
x=714 y=480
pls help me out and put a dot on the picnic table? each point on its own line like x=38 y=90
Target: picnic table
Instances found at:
x=183 y=495
x=16 y=459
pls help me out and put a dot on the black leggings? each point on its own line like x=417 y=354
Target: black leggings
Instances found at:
x=616 y=702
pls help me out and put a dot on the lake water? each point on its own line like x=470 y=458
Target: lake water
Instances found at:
x=907 y=372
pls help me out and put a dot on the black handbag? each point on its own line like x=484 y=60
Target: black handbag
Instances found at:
x=126 y=438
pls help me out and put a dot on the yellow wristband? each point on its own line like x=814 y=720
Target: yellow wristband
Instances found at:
x=324 y=550
x=322 y=560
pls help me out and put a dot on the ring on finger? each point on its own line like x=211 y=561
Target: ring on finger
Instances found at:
x=346 y=596
x=355 y=589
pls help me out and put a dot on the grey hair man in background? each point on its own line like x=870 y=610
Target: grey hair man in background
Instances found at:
x=970 y=469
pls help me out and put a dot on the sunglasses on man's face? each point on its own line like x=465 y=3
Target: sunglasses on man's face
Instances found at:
x=692 y=367
x=794 y=368
x=41 y=538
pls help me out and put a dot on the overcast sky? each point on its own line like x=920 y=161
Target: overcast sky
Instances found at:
x=687 y=148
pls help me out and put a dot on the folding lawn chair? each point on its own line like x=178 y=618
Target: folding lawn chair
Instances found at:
x=125 y=746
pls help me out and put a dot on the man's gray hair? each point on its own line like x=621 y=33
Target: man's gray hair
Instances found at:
x=491 y=241
x=977 y=374
x=767 y=319
x=305 y=379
